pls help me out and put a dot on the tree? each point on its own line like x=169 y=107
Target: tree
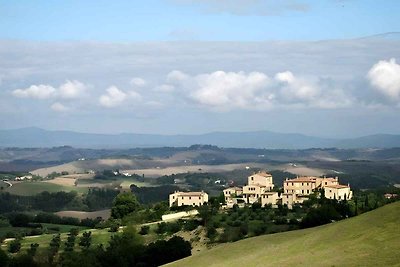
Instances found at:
x=144 y=230
x=54 y=247
x=14 y=246
x=33 y=249
x=86 y=240
x=124 y=204
x=161 y=251
x=124 y=249
x=205 y=213
x=69 y=245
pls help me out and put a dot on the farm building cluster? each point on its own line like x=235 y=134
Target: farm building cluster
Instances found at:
x=259 y=189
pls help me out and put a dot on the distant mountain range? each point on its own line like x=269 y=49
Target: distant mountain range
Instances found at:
x=36 y=137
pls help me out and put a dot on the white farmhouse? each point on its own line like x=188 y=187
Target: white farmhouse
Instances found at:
x=188 y=198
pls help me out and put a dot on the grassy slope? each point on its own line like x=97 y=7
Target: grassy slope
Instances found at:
x=371 y=239
x=33 y=188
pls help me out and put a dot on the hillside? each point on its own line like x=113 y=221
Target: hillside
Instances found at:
x=36 y=137
x=371 y=239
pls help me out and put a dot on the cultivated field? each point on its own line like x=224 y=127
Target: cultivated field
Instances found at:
x=371 y=239
x=105 y=214
x=156 y=172
x=33 y=188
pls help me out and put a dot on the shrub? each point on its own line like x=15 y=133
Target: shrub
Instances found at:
x=257 y=227
x=114 y=228
x=14 y=246
x=190 y=225
x=231 y=234
x=161 y=228
x=173 y=227
x=211 y=232
x=144 y=230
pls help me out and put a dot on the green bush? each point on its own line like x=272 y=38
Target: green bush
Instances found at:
x=14 y=246
x=173 y=227
x=231 y=234
x=144 y=230
x=211 y=232
x=257 y=227
x=161 y=228
x=190 y=225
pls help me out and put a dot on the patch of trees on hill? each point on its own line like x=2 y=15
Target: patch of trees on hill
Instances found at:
x=125 y=249
x=95 y=199
x=147 y=195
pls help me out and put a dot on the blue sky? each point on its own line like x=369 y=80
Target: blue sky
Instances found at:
x=289 y=66
x=152 y=20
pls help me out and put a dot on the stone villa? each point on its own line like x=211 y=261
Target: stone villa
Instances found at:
x=188 y=198
x=295 y=191
x=259 y=190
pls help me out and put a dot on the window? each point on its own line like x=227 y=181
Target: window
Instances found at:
x=182 y=197
x=199 y=197
x=190 y=197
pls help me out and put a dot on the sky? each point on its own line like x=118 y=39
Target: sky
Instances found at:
x=325 y=68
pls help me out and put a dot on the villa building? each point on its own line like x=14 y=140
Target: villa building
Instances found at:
x=306 y=185
x=232 y=192
x=188 y=198
x=338 y=192
x=257 y=184
x=301 y=187
x=270 y=198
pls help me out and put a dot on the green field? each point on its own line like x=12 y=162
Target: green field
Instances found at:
x=33 y=188
x=98 y=237
x=124 y=182
x=371 y=239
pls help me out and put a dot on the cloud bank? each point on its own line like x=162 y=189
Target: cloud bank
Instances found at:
x=158 y=87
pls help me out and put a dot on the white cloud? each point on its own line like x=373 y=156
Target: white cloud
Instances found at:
x=67 y=90
x=385 y=77
x=256 y=91
x=225 y=89
x=36 y=91
x=72 y=89
x=59 y=107
x=176 y=76
x=138 y=82
x=295 y=89
x=113 y=97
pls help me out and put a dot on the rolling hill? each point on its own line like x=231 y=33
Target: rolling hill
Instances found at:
x=36 y=137
x=371 y=239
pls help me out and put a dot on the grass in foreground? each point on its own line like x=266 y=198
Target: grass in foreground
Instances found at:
x=371 y=239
